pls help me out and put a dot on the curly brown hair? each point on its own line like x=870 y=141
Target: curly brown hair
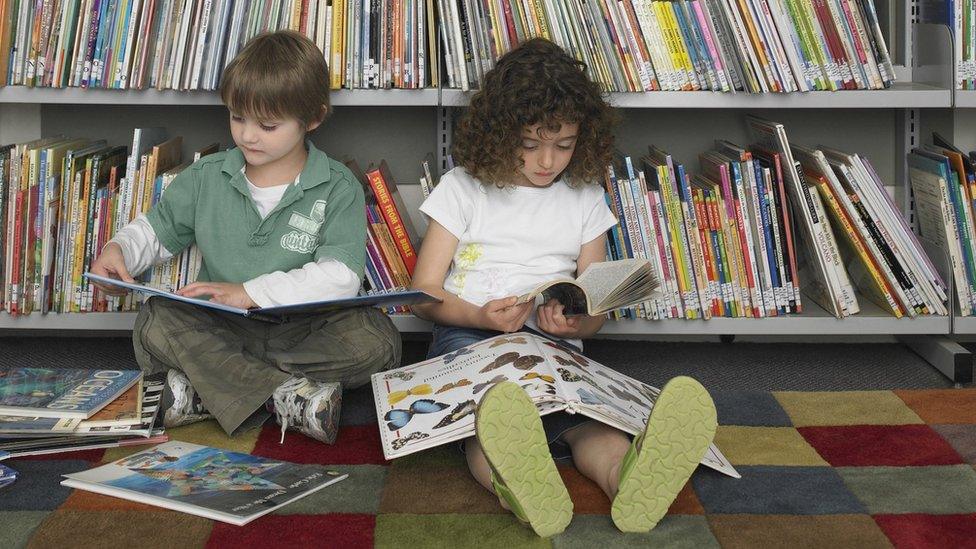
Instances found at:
x=536 y=83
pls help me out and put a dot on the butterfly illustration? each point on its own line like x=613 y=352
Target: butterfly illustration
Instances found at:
x=544 y=388
x=595 y=398
x=417 y=390
x=402 y=441
x=405 y=376
x=450 y=357
x=527 y=362
x=571 y=377
x=453 y=385
x=500 y=360
x=518 y=340
x=459 y=412
x=564 y=361
x=398 y=418
x=624 y=395
x=484 y=385
x=536 y=375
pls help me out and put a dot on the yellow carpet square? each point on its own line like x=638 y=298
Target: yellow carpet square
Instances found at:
x=846 y=408
x=766 y=446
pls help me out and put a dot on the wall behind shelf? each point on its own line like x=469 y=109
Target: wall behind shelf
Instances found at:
x=400 y=135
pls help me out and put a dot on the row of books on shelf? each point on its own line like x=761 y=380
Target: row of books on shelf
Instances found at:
x=944 y=183
x=62 y=199
x=185 y=44
x=737 y=238
x=644 y=45
x=958 y=16
x=51 y=410
x=630 y=45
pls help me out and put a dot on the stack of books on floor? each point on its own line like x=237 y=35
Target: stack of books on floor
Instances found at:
x=737 y=239
x=53 y=410
x=645 y=45
x=186 y=44
x=944 y=182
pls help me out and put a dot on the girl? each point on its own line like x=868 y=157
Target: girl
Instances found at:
x=524 y=207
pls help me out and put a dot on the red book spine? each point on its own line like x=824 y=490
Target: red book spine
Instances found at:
x=392 y=217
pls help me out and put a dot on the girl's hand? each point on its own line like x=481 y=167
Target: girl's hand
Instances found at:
x=111 y=264
x=504 y=315
x=219 y=292
x=552 y=321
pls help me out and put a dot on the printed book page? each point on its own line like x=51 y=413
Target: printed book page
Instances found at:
x=604 y=286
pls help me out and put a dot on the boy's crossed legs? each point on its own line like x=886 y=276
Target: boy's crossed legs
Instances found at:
x=236 y=364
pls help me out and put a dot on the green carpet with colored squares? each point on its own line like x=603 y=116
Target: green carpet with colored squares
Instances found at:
x=823 y=469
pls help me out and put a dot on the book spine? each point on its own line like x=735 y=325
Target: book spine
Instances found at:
x=393 y=220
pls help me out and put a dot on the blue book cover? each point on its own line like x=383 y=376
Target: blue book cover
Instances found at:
x=61 y=392
x=218 y=484
x=282 y=313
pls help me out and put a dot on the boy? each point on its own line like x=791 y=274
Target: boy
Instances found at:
x=277 y=222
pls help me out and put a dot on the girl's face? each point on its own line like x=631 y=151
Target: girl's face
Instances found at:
x=545 y=154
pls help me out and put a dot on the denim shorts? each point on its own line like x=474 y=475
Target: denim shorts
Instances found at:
x=447 y=339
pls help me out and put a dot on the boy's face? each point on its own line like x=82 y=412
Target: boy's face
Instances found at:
x=545 y=154
x=267 y=142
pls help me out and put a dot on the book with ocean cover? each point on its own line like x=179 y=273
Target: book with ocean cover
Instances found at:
x=433 y=402
x=61 y=392
x=282 y=313
x=209 y=482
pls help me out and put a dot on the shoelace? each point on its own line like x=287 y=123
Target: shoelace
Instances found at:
x=286 y=407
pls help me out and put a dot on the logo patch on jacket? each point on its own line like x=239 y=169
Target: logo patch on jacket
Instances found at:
x=305 y=236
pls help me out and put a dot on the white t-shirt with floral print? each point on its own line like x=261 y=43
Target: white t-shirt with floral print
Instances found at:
x=510 y=240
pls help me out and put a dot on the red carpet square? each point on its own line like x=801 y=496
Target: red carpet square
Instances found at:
x=877 y=445
x=942 y=405
x=925 y=531
x=332 y=530
x=356 y=445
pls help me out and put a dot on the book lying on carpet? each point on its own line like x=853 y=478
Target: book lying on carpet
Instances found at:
x=433 y=402
x=282 y=313
x=209 y=482
x=11 y=449
x=132 y=413
x=7 y=476
x=603 y=287
x=61 y=392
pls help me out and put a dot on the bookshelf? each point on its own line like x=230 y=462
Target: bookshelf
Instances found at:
x=404 y=125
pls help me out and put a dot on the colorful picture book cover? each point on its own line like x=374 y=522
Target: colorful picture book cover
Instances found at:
x=210 y=482
x=61 y=392
x=433 y=402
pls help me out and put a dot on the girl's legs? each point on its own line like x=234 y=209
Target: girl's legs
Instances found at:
x=478 y=465
x=598 y=451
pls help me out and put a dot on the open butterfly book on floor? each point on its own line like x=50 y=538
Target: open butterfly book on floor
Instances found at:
x=218 y=484
x=433 y=402
x=282 y=313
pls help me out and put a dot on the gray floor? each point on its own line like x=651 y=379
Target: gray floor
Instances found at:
x=719 y=366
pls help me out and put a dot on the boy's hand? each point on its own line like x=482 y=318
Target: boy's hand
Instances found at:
x=219 y=292
x=504 y=315
x=111 y=264
x=552 y=320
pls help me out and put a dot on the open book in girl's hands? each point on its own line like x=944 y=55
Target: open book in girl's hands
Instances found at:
x=282 y=313
x=602 y=287
x=433 y=402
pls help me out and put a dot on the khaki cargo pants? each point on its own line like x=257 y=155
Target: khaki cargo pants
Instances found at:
x=235 y=363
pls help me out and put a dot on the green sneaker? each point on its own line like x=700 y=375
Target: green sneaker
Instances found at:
x=660 y=461
x=523 y=473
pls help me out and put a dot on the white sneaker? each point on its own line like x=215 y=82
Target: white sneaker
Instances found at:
x=186 y=407
x=309 y=407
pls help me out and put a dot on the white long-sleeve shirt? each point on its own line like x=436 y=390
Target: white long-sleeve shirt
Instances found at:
x=314 y=281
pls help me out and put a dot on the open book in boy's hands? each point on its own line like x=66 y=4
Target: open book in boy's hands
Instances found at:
x=433 y=402
x=282 y=313
x=602 y=287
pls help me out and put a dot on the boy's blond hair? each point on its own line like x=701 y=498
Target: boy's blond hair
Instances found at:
x=278 y=74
